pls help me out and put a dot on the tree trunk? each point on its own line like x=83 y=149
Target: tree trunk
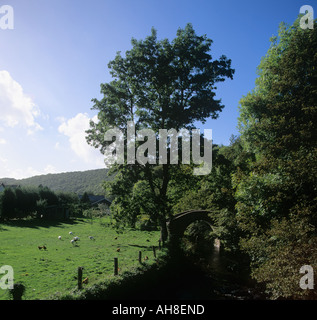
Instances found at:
x=164 y=232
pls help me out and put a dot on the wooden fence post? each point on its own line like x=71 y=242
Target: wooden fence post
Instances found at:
x=140 y=256
x=160 y=245
x=80 y=277
x=154 y=253
x=115 y=266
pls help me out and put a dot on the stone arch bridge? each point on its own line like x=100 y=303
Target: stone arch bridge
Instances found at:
x=177 y=224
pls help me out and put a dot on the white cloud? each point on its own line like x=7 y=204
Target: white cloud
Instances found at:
x=8 y=172
x=50 y=169
x=16 y=107
x=60 y=119
x=57 y=146
x=18 y=173
x=74 y=129
x=3 y=160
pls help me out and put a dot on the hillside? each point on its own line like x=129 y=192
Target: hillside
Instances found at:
x=77 y=181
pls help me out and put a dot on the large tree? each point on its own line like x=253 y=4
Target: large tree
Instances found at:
x=158 y=84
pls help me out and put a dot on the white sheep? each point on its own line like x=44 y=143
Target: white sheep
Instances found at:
x=60 y=237
x=72 y=241
x=76 y=238
x=70 y=232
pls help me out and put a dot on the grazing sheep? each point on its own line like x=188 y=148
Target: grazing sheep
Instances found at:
x=91 y=238
x=60 y=237
x=118 y=249
x=74 y=241
x=40 y=247
x=70 y=232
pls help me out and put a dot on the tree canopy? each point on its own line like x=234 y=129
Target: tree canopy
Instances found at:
x=158 y=84
x=276 y=194
x=262 y=188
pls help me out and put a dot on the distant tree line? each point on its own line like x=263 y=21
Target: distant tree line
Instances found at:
x=23 y=202
x=89 y=181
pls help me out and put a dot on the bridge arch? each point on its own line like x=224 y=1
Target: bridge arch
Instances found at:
x=177 y=225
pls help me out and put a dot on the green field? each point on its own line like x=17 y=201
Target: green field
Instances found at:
x=45 y=272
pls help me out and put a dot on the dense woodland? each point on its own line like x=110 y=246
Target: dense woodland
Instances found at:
x=78 y=181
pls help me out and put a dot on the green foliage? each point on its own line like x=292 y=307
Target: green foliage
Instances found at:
x=89 y=181
x=8 y=204
x=84 y=202
x=215 y=192
x=262 y=188
x=276 y=194
x=287 y=245
x=100 y=211
x=159 y=84
x=85 y=198
x=40 y=206
x=30 y=201
x=49 y=195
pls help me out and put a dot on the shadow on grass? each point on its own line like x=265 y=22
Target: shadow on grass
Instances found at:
x=170 y=279
x=2 y=229
x=37 y=223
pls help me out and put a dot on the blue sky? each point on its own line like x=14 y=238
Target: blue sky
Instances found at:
x=53 y=61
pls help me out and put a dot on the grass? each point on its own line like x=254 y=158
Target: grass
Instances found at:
x=46 y=272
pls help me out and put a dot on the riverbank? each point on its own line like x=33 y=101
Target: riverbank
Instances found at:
x=177 y=278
